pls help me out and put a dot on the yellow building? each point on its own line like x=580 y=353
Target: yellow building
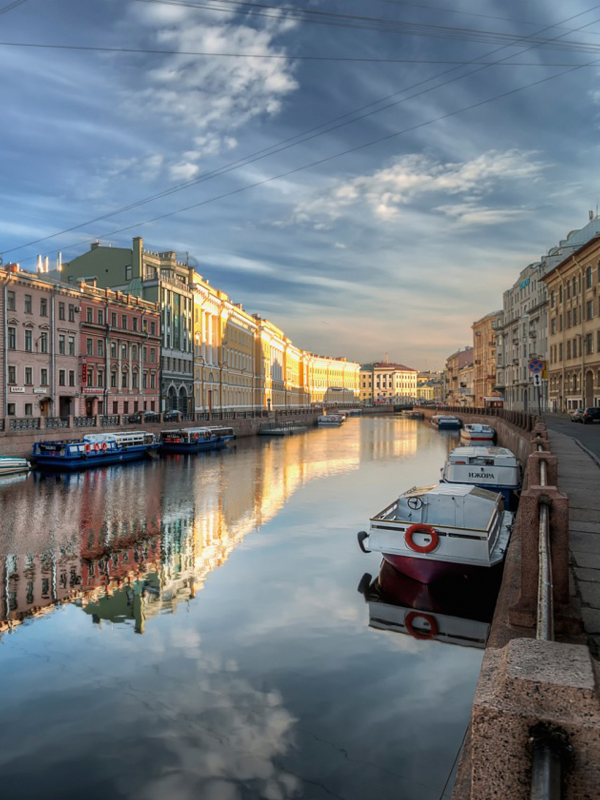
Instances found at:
x=484 y=360
x=384 y=382
x=574 y=335
x=332 y=381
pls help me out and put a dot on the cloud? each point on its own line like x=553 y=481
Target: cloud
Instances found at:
x=386 y=191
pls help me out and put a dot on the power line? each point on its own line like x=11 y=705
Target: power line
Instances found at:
x=5 y=9
x=288 y=143
x=286 y=57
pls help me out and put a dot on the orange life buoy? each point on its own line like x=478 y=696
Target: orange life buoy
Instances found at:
x=104 y=446
x=421 y=634
x=96 y=446
x=419 y=527
x=87 y=448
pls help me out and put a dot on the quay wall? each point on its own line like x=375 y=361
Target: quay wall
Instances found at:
x=20 y=442
x=532 y=690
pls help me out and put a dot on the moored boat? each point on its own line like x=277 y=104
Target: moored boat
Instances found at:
x=446 y=422
x=13 y=465
x=195 y=440
x=494 y=468
x=94 y=450
x=474 y=432
x=436 y=532
x=330 y=420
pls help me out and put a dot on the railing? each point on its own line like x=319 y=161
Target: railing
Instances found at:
x=84 y=422
x=23 y=423
x=521 y=419
x=56 y=422
x=108 y=420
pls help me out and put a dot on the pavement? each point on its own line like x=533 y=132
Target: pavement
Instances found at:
x=579 y=478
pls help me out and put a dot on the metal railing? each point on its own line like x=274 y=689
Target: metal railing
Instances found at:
x=56 y=422
x=24 y=423
x=521 y=419
x=84 y=422
x=108 y=420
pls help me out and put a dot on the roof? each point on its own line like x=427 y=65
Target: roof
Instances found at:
x=388 y=365
x=594 y=240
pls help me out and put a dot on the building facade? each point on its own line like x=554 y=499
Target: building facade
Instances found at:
x=574 y=336
x=485 y=392
x=383 y=382
x=458 y=378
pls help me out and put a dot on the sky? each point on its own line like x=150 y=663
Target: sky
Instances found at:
x=370 y=176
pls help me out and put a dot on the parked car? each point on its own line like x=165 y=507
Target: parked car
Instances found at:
x=591 y=415
x=144 y=416
x=577 y=415
x=172 y=416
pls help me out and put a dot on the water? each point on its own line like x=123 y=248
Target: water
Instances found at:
x=191 y=628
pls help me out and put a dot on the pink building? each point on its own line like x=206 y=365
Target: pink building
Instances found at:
x=39 y=347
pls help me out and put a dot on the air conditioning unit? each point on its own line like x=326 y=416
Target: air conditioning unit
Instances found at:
x=77 y=309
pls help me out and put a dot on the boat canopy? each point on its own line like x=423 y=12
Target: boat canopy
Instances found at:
x=121 y=439
x=450 y=505
x=483 y=456
x=478 y=428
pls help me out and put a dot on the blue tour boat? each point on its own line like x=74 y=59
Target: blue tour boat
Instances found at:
x=195 y=440
x=94 y=450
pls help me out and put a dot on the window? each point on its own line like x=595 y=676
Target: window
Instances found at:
x=124 y=352
x=145 y=379
x=152 y=382
x=61 y=311
x=589 y=344
x=61 y=344
x=128 y=272
x=113 y=379
x=71 y=377
x=134 y=322
x=134 y=352
x=153 y=325
x=89 y=347
x=28 y=409
x=589 y=309
x=28 y=376
x=44 y=342
x=12 y=305
x=12 y=374
x=124 y=322
x=44 y=377
x=62 y=377
x=29 y=341
x=90 y=315
x=115 y=406
x=552 y=299
x=144 y=354
x=113 y=349
x=553 y=326
x=12 y=338
x=569 y=348
x=28 y=304
x=126 y=407
x=100 y=382
x=90 y=376
x=574 y=286
x=71 y=312
x=568 y=294
x=71 y=345
x=134 y=381
x=100 y=317
x=43 y=307
x=11 y=409
x=569 y=318
x=124 y=379
x=100 y=347
x=588 y=278
x=113 y=320
x=560 y=352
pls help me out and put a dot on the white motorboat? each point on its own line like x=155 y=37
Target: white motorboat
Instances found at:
x=330 y=420
x=13 y=465
x=494 y=468
x=434 y=532
x=474 y=432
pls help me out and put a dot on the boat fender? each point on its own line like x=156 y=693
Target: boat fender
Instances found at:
x=362 y=535
x=364 y=584
x=419 y=527
x=421 y=633
x=87 y=448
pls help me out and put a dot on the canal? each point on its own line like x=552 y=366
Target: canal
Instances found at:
x=190 y=628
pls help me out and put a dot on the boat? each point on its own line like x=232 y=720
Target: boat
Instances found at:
x=13 y=465
x=94 y=450
x=442 y=531
x=494 y=468
x=401 y=605
x=195 y=440
x=446 y=422
x=330 y=420
x=474 y=432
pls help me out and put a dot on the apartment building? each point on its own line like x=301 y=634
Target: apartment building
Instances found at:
x=384 y=382
x=459 y=378
x=485 y=392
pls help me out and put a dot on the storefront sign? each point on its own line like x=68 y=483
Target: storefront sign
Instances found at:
x=91 y=390
x=41 y=391
x=17 y=389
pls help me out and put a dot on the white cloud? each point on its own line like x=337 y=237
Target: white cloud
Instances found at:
x=340 y=246
x=183 y=171
x=386 y=191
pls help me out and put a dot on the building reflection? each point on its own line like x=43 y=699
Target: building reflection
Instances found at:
x=128 y=544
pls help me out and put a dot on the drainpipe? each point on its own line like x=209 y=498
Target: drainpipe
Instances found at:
x=5 y=350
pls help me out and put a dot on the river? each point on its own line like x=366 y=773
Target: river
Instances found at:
x=191 y=628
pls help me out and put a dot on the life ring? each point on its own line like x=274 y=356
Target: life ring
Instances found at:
x=87 y=448
x=419 y=527
x=96 y=446
x=434 y=628
x=104 y=446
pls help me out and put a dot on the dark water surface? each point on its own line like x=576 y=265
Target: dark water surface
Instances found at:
x=190 y=629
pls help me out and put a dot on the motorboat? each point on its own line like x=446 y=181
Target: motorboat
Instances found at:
x=440 y=531
x=195 y=440
x=401 y=605
x=94 y=450
x=13 y=465
x=494 y=468
x=330 y=420
x=474 y=432
x=446 y=422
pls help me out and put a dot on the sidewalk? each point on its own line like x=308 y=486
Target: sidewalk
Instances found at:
x=579 y=478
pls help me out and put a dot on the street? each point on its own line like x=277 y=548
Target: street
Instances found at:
x=589 y=435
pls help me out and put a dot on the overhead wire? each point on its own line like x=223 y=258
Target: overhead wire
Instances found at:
x=288 y=143
x=9 y=7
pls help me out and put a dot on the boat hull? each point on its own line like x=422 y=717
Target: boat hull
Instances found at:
x=192 y=448
x=14 y=469
x=92 y=460
x=429 y=571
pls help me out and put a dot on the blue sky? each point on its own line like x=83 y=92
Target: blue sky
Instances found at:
x=393 y=247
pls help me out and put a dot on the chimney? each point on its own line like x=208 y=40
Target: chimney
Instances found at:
x=38 y=265
x=138 y=257
x=59 y=261
x=46 y=264
x=95 y=245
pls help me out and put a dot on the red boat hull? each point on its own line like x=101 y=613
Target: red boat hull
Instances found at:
x=426 y=570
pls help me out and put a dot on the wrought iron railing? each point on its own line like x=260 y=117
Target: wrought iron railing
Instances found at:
x=56 y=422
x=24 y=423
x=85 y=422
x=108 y=420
